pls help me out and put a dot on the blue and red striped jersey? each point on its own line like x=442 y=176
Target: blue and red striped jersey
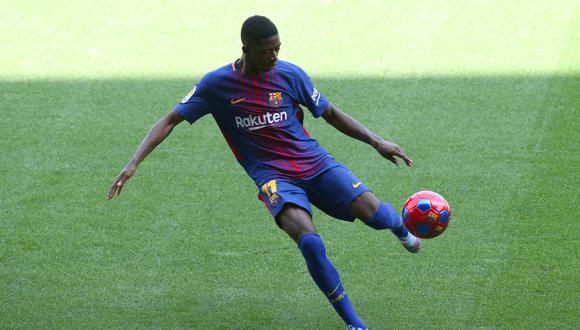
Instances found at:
x=261 y=119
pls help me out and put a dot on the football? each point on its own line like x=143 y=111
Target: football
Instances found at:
x=426 y=214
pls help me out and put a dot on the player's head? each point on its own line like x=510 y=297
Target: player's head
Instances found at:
x=261 y=42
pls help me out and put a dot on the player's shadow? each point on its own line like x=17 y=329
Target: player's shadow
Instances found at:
x=181 y=238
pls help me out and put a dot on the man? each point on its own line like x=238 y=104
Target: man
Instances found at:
x=255 y=102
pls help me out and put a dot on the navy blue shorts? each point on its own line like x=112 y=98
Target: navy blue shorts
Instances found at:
x=331 y=191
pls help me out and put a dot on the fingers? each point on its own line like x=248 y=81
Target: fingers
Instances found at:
x=117 y=186
x=401 y=153
x=393 y=159
x=408 y=161
x=112 y=190
x=395 y=150
x=406 y=158
x=120 y=184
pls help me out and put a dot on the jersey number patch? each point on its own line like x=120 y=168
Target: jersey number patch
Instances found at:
x=271 y=190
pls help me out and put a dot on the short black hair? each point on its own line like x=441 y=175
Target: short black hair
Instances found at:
x=256 y=28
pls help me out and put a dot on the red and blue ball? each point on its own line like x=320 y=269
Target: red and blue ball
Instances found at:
x=426 y=214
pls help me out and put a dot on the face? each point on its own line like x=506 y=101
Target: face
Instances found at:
x=263 y=54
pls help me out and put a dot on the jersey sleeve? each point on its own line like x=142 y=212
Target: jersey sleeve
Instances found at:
x=308 y=96
x=196 y=103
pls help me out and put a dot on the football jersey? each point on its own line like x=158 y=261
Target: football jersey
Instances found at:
x=261 y=119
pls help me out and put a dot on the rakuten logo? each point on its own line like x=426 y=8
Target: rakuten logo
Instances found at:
x=256 y=122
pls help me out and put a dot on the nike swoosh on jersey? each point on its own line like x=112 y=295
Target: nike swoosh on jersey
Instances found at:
x=355 y=185
x=232 y=101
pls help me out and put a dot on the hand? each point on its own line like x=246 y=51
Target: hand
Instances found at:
x=389 y=150
x=125 y=174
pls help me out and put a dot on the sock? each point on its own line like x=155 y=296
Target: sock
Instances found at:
x=327 y=279
x=387 y=218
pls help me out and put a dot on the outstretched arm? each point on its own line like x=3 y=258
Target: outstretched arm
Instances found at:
x=351 y=127
x=156 y=135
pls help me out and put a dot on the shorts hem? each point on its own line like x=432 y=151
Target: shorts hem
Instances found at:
x=275 y=213
x=352 y=218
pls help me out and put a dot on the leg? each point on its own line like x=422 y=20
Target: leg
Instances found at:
x=340 y=194
x=297 y=223
x=377 y=215
x=365 y=206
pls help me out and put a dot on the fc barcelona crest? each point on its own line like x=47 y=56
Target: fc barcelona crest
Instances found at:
x=432 y=217
x=275 y=98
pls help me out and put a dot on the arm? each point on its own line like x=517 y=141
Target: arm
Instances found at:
x=156 y=135
x=351 y=127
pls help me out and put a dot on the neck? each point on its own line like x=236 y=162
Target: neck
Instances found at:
x=246 y=67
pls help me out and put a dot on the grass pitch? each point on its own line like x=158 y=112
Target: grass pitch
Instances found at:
x=484 y=97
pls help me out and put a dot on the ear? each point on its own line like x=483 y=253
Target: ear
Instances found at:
x=245 y=49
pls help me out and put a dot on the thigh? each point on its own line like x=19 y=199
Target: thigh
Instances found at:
x=365 y=206
x=295 y=221
x=277 y=193
x=334 y=191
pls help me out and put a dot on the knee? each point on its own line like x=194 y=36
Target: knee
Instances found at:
x=385 y=217
x=312 y=247
x=295 y=221
x=390 y=212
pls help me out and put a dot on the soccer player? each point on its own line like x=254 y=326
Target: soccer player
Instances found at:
x=255 y=101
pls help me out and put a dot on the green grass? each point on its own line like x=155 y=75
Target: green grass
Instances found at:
x=482 y=96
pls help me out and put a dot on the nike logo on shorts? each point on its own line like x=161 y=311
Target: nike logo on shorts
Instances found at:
x=355 y=185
